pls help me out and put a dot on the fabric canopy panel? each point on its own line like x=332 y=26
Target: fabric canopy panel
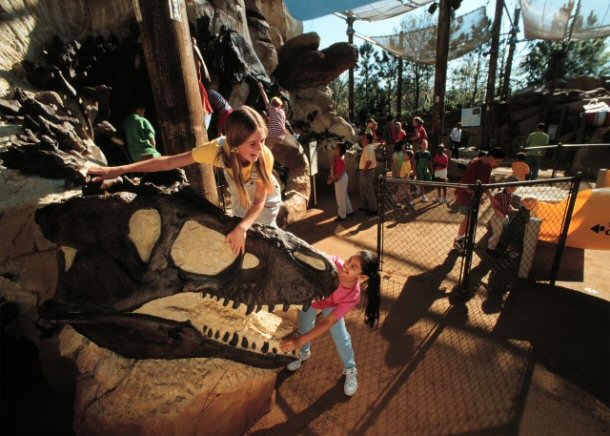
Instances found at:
x=360 y=9
x=467 y=33
x=551 y=19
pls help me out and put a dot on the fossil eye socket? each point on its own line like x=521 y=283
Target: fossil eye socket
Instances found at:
x=314 y=262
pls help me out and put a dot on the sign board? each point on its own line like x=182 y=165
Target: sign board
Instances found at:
x=313 y=158
x=471 y=117
x=174 y=10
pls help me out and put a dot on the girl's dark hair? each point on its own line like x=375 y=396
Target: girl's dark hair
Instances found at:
x=342 y=148
x=370 y=268
x=398 y=146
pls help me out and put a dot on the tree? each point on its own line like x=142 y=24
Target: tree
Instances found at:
x=386 y=67
x=574 y=58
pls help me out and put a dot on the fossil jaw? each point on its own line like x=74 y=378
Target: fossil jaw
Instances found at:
x=260 y=332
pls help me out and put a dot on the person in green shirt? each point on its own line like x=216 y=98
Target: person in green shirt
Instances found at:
x=140 y=135
x=538 y=138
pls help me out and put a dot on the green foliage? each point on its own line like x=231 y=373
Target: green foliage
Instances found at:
x=565 y=60
x=340 y=90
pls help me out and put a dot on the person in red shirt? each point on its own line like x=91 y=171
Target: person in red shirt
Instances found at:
x=362 y=266
x=420 y=134
x=478 y=169
x=338 y=177
x=440 y=162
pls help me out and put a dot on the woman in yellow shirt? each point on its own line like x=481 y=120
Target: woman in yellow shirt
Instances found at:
x=248 y=167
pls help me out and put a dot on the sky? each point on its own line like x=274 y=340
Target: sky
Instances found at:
x=332 y=29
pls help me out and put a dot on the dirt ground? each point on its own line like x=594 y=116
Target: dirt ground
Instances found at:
x=439 y=363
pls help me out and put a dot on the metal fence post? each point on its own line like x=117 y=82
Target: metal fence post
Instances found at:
x=380 y=213
x=556 y=159
x=566 y=225
x=471 y=231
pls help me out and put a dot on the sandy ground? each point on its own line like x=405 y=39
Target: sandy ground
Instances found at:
x=537 y=362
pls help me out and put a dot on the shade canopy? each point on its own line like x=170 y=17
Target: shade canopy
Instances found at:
x=552 y=19
x=467 y=32
x=359 y=9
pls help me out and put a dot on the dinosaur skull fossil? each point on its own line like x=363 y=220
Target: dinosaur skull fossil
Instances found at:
x=151 y=276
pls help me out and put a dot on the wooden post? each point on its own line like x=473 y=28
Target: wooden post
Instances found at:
x=440 y=75
x=168 y=50
x=350 y=39
x=399 y=84
x=491 y=76
x=511 y=51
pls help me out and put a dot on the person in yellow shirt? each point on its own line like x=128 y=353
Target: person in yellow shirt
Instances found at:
x=521 y=170
x=248 y=167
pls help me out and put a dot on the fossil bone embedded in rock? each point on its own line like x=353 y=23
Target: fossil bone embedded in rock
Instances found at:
x=144 y=231
x=201 y=250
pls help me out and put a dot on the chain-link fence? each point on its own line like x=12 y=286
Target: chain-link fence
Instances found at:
x=492 y=235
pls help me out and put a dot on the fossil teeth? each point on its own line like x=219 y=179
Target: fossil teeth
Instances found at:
x=244 y=342
x=250 y=309
x=274 y=350
x=254 y=345
x=306 y=306
x=226 y=302
x=271 y=307
x=205 y=328
x=286 y=307
x=236 y=305
x=234 y=340
x=225 y=338
x=258 y=308
x=217 y=334
x=265 y=348
x=210 y=333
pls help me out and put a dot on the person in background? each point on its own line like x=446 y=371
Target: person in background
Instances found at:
x=276 y=117
x=538 y=138
x=521 y=170
x=397 y=158
x=371 y=128
x=456 y=138
x=420 y=135
x=222 y=110
x=202 y=73
x=401 y=135
x=366 y=166
x=478 y=169
x=423 y=159
x=406 y=169
x=359 y=268
x=440 y=162
x=338 y=177
x=502 y=208
x=140 y=135
x=247 y=163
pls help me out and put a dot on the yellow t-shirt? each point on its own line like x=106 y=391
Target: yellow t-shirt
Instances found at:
x=520 y=170
x=209 y=153
x=405 y=169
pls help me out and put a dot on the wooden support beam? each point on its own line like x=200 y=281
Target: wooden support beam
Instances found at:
x=440 y=75
x=168 y=50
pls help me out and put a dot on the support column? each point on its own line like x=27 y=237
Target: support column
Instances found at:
x=399 y=83
x=491 y=76
x=511 y=51
x=440 y=75
x=170 y=62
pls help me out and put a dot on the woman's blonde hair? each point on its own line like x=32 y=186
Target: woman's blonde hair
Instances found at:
x=242 y=123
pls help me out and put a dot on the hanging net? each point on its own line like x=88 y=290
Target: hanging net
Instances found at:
x=359 y=9
x=467 y=32
x=552 y=19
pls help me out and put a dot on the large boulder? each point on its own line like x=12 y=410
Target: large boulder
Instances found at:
x=302 y=65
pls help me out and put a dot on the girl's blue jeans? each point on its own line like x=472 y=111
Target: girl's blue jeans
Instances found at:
x=343 y=341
